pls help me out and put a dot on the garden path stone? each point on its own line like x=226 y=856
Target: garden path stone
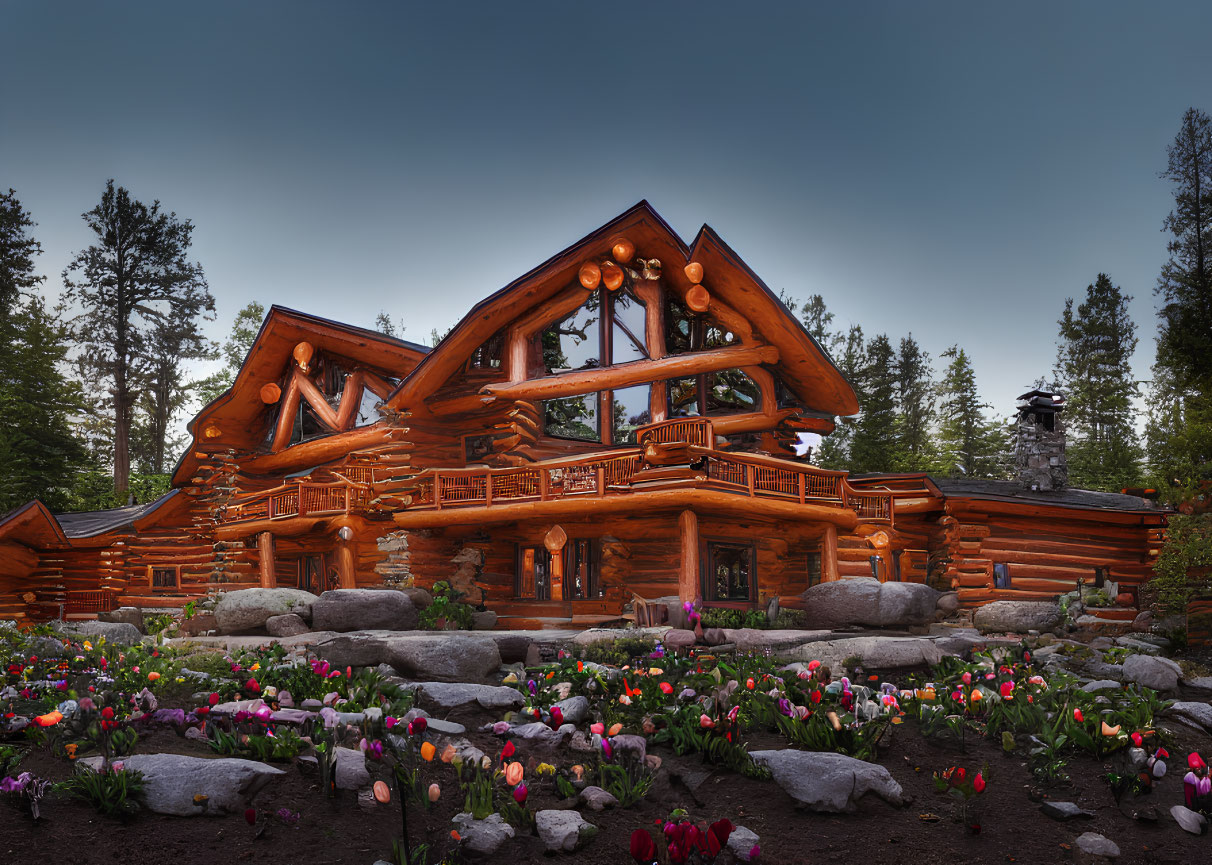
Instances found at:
x=1188 y=820
x=741 y=842
x=170 y=782
x=562 y=830
x=1160 y=674
x=286 y=625
x=351 y=769
x=248 y=609
x=879 y=653
x=828 y=782
x=292 y=716
x=1199 y=713
x=1017 y=616
x=1137 y=645
x=446 y=728
x=363 y=609
x=1094 y=846
x=575 y=709
x=450 y=695
x=1064 y=810
x=753 y=640
x=598 y=799
x=679 y=638
x=482 y=836
x=609 y=635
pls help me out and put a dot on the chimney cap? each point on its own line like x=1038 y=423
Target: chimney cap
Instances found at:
x=1043 y=397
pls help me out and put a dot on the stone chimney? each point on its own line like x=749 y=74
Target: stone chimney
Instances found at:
x=1039 y=447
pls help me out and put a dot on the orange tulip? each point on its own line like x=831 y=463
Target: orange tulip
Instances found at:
x=50 y=719
x=977 y=696
x=448 y=754
x=427 y=751
x=578 y=771
x=615 y=729
x=435 y=792
x=382 y=792
x=513 y=773
x=1110 y=731
x=153 y=676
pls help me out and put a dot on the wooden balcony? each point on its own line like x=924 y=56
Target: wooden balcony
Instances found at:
x=298 y=499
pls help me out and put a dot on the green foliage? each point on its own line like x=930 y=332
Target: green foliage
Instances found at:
x=9 y=758
x=618 y=652
x=112 y=792
x=1184 y=567
x=477 y=791
x=627 y=780
x=874 y=445
x=971 y=445
x=235 y=348
x=446 y=607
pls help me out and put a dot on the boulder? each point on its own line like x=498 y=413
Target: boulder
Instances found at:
x=445 y=658
x=482 y=837
x=609 y=635
x=286 y=625
x=351 y=769
x=247 y=609
x=129 y=615
x=345 y=610
x=947 y=604
x=867 y=601
x=874 y=653
x=515 y=648
x=1100 y=685
x=741 y=843
x=679 y=638
x=1190 y=821
x=828 y=782
x=115 y=633
x=451 y=695
x=1160 y=674
x=198 y=624
x=421 y=598
x=483 y=620
x=562 y=830
x=597 y=799
x=1017 y=616
x=171 y=781
x=1092 y=847
x=1199 y=714
x=537 y=734
x=575 y=709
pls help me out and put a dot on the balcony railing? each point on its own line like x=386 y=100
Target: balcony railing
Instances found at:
x=298 y=499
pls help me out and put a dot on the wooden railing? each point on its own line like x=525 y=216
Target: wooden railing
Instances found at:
x=689 y=430
x=88 y=602
x=297 y=500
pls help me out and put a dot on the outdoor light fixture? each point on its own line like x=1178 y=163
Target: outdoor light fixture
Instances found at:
x=345 y=533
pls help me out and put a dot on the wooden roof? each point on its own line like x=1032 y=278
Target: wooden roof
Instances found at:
x=34 y=525
x=804 y=366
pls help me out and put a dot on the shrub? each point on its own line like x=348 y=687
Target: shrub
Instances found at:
x=1184 y=567
x=447 y=607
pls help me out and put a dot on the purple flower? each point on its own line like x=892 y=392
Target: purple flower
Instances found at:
x=785 y=707
x=12 y=785
x=687 y=694
x=287 y=816
x=607 y=749
x=500 y=728
x=688 y=606
x=534 y=689
x=755 y=853
x=264 y=712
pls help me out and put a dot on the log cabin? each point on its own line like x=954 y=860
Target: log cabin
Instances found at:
x=621 y=422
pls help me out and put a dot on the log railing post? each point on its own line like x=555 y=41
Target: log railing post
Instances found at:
x=437 y=491
x=601 y=479
x=265 y=547
x=544 y=484
x=748 y=469
x=802 y=479
x=488 y=489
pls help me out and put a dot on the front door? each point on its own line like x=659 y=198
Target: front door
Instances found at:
x=311 y=574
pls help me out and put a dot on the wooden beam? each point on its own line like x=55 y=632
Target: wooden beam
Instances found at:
x=755 y=421
x=265 y=547
x=629 y=374
x=351 y=400
x=829 y=570
x=286 y=417
x=347 y=556
x=316 y=400
x=688 y=567
x=322 y=450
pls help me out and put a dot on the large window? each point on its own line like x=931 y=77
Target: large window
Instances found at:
x=731 y=573
x=580 y=558
x=687 y=331
x=713 y=394
x=534 y=573
x=607 y=329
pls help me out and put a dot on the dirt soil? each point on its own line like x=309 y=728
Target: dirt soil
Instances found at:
x=340 y=830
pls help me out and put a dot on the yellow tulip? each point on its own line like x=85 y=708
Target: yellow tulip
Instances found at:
x=545 y=769
x=427 y=751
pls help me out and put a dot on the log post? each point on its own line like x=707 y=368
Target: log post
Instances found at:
x=265 y=546
x=346 y=557
x=829 y=555
x=688 y=572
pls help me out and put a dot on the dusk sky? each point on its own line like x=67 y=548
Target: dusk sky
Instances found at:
x=951 y=169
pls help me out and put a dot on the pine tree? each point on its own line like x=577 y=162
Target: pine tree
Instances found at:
x=873 y=447
x=39 y=454
x=1180 y=431
x=129 y=281
x=835 y=448
x=971 y=445
x=916 y=449
x=1094 y=372
x=244 y=330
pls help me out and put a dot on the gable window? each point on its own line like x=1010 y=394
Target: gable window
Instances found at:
x=686 y=331
x=730 y=391
x=730 y=572
x=165 y=578
x=488 y=356
x=607 y=329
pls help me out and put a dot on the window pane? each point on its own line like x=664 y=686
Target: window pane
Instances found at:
x=627 y=337
x=730 y=577
x=574 y=342
x=684 y=397
x=679 y=326
x=366 y=410
x=631 y=411
x=731 y=392
x=574 y=417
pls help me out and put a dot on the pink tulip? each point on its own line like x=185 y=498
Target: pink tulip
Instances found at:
x=519 y=794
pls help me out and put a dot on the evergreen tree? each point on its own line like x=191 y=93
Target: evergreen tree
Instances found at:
x=971 y=445
x=835 y=448
x=873 y=447
x=916 y=450
x=1180 y=432
x=131 y=280
x=244 y=330
x=39 y=454
x=1094 y=372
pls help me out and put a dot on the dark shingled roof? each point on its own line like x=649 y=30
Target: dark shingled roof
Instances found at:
x=1012 y=491
x=88 y=524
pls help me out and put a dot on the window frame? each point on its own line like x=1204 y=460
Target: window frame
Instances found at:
x=153 y=570
x=707 y=580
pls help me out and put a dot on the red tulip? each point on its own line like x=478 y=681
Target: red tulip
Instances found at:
x=107 y=713
x=966 y=678
x=507 y=751
x=717 y=836
x=1137 y=739
x=978 y=783
x=252 y=685
x=1007 y=689
x=643 y=849
x=519 y=794
x=417 y=726
x=214 y=699
x=250 y=816
x=666 y=688
x=1077 y=716
x=750 y=684
x=557 y=717
x=816 y=696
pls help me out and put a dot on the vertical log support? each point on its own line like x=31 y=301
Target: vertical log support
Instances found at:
x=829 y=555
x=347 y=555
x=265 y=546
x=688 y=573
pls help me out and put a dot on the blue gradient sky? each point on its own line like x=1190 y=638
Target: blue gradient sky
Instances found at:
x=938 y=168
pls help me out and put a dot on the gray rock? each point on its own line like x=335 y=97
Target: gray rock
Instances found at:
x=1100 y=685
x=1188 y=820
x=877 y=653
x=948 y=603
x=483 y=620
x=540 y=735
x=575 y=709
x=867 y=601
x=171 y=781
x=741 y=842
x=446 y=728
x=1203 y=683
x=1094 y=845
x=450 y=695
x=1017 y=616
x=562 y=830
x=483 y=837
x=1160 y=674
x=828 y=782
x=630 y=745
x=247 y=609
x=445 y=659
x=609 y=635
x=1063 y=810
x=1198 y=713
x=597 y=799
x=1137 y=645
x=351 y=769
x=421 y=598
x=116 y=633
x=129 y=615
x=679 y=638
x=345 y=610
x=714 y=636
x=286 y=625
x=514 y=648
x=198 y=624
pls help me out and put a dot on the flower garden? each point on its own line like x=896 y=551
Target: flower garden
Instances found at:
x=609 y=753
